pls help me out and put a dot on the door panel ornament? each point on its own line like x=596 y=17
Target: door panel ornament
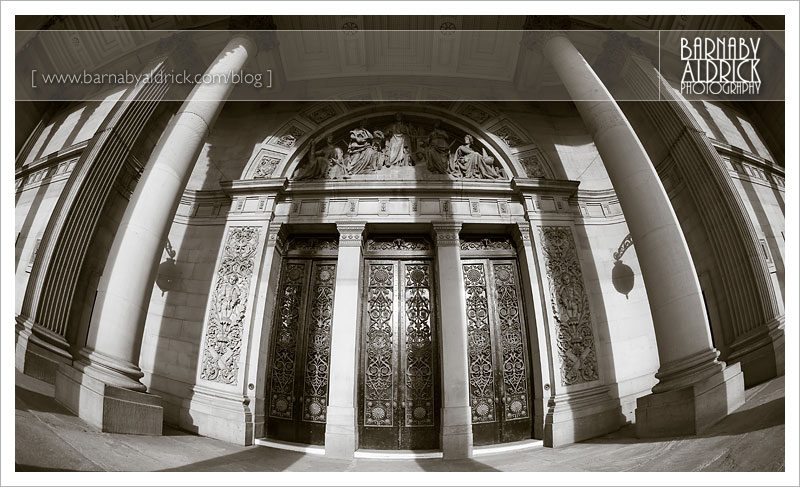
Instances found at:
x=481 y=369
x=378 y=373
x=419 y=349
x=318 y=344
x=515 y=381
x=284 y=356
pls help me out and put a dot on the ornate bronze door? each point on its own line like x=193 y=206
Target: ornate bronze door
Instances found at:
x=399 y=389
x=498 y=356
x=297 y=396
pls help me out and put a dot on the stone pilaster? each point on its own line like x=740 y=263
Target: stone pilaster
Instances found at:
x=341 y=430
x=693 y=384
x=456 y=437
x=222 y=402
x=113 y=344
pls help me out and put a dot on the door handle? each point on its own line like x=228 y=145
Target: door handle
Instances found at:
x=394 y=404
x=403 y=404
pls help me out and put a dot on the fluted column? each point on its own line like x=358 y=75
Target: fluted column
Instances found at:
x=341 y=439
x=688 y=358
x=111 y=355
x=115 y=333
x=43 y=322
x=456 y=437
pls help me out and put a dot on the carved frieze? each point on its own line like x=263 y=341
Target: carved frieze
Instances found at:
x=570 y=306
x=223 y=338
x=368 y=148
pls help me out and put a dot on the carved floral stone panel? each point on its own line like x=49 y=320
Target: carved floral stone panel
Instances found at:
x=266 y=166
x=223 y=340
x=570 y=306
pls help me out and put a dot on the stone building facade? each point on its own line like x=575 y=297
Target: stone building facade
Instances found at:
x=397 y=274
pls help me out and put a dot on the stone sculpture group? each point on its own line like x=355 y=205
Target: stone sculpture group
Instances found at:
x=400 y=144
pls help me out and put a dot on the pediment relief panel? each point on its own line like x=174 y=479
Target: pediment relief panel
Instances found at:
x=399 y=147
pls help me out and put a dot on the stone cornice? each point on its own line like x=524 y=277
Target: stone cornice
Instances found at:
x=748 y=157
x=51 y=159
x=545 y=186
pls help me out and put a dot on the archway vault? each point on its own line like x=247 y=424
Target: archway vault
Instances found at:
x=511 y=146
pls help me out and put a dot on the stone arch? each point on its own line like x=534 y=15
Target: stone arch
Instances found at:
x=281 y=152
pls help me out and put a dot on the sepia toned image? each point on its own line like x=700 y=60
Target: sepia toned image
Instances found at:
x=356 y=242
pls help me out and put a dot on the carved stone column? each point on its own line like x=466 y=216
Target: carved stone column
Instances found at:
x=694 y=389
x=456 y=438
x=42 y=325
x=110 y=360
x=341 y=429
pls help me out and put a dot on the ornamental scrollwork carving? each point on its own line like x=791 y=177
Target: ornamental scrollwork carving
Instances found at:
x=223 y=338
x=369 y=150
x=479 y=345
x=318 y=348
x=378 y=367
x=398 y=244
x=570 y=306
x=487 y=244
x=419 y=346
x=287 y=328
x=312 y=244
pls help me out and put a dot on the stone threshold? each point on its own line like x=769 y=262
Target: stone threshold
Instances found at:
x=288 y=445
x=398 y=454
x=506 y=447
x=401 y=454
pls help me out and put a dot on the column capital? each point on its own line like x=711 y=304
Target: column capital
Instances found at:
x=276 y=235
x=350 y=233
x=522 y=233
x=542 y=28
x=447 y=233
x=261 y=29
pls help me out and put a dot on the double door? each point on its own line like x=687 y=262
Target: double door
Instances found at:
x=497 y=352
x=297 y=397
x=398 y=376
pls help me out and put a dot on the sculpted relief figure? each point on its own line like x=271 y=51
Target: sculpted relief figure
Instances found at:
x=398 y=147
x=362 y=155
x=323 y=162
x=466 y=162
x=437 y=150
x=401 y=145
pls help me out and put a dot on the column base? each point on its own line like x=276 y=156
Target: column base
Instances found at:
x=692 y=409
x=36 y=357
x=761 y=352
x=580 y=415
x=218 y=414
x=110 y=408
x=341 y=439
x=456 y=438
